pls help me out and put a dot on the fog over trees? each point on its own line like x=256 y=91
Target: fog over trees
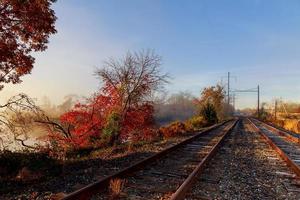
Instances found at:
x=178 y=106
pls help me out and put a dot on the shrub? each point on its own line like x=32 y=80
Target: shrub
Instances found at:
x=189 y=126
x=174 y=129
x=195 y=123
x=209 y=113
x=111 y=128
x=148 y=135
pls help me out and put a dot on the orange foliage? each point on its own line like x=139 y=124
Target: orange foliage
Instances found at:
x=174 y=129
x=195 y=123
x=179 y=128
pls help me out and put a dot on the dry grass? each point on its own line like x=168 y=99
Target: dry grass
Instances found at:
x=292 y=125
x=289 y=124
x=115 y=188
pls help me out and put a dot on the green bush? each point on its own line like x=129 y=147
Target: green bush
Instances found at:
x=209 y=113
x=111 y=130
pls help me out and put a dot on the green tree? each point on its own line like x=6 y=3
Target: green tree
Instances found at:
x=212 y=98
x=209 y=114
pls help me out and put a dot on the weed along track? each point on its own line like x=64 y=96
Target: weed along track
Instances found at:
x=165 y=175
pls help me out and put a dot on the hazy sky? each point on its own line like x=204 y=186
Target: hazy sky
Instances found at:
x=199 y=40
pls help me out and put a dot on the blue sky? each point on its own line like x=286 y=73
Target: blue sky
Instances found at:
x=199 y=40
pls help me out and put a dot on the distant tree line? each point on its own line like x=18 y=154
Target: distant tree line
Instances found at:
x=180 y=106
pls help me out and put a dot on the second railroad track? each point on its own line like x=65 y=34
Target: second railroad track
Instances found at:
x=165 y=175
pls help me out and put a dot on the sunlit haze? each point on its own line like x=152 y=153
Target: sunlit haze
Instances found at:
x=200 y=41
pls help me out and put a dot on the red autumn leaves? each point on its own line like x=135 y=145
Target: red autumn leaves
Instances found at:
x=98 y=121
x=25 y=26
x=122 y=109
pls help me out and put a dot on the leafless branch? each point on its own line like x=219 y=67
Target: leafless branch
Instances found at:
x=136 y=76
x=20 y=114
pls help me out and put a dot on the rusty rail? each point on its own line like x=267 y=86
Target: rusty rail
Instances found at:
x=282 y=154
x=88 y=191
x=185 y=186
x=286 y=134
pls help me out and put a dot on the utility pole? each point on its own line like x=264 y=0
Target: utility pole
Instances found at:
x=233 y=101
x=258 y=111
x=228 y=88
x=275 y=110
x=254 y=90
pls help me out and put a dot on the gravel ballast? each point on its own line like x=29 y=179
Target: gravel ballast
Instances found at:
x=245 y=168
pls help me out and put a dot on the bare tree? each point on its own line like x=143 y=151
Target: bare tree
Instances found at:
x=20 y=115
x=136 y=76
x=15 y=119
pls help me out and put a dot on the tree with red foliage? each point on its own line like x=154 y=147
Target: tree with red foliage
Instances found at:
x=122 y=109
x=138 y=123
x=86 y=121
x=134 y=79
x=25 y=26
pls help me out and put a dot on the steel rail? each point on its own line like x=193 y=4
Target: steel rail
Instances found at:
x=88 y=191
x=282 y=154
x=286 y=134
x=186 y=185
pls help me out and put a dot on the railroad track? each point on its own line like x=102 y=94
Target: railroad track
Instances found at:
x=245 y=167
x=165 y=175
x=291 y=136
x=284 y=143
